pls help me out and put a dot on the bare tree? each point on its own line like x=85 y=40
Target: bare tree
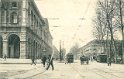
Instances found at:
x=118 y=16
x=106 y=10
x=120 y=5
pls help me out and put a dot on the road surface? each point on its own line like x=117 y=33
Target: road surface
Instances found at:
x=76 y=71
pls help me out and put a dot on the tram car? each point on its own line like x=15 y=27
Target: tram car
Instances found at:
x=70 y=58
x=102 y=58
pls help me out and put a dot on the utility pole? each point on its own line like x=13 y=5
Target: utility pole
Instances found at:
x=63 y=50
x=60 y=52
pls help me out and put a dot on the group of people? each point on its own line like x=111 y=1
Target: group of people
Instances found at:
x=47 y=61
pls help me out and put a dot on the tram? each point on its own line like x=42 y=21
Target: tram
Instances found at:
x=102 y=58
x=70 y=58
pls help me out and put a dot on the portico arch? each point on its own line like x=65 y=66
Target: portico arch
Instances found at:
x=13 y=46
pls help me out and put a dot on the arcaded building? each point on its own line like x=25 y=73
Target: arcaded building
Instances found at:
x=24 y=33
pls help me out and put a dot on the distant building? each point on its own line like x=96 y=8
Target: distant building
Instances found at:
x=92 y=48
x=24 y=33
x=95 y=47
x=56 y=54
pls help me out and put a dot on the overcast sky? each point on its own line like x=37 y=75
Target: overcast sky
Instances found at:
x=65 y=20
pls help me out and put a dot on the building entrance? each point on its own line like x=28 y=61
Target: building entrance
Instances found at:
x=13 y=46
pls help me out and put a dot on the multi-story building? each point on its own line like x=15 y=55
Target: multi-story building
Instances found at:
x=92 y=48
x=96 y=47
x=24 y=33
x=56 y=54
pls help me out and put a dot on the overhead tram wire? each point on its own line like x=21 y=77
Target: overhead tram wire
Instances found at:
x=74 y=37
x=85 y=12
x=53 y=49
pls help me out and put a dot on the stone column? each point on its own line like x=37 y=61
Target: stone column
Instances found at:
x=23 y=49
x=5 y=48
x=0 y=11
x=24 y=12
x=5 y=44
x=23 y=45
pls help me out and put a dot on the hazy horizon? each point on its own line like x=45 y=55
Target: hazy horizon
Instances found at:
x=69 y=20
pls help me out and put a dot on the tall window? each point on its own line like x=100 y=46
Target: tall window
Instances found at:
x=31 y=18
x=2 y=16
x=14 y=4
x=14 y=17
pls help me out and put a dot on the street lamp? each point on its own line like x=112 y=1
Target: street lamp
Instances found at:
x=44 y=50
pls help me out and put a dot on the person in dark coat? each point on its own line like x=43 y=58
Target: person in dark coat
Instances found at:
x=109 y=61
x=81 y=60
x=44 y=60
x=33 y=60
x=5 y=57
x=50 y=58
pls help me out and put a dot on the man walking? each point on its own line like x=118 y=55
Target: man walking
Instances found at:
x=5 y=57
x=44 y=60
x=50 y=58
x=109 y=61
x=33 y=60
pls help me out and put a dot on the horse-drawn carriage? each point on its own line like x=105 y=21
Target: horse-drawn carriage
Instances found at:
x=84 y=59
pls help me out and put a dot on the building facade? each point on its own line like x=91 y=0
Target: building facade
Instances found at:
x=24 y=33
x=56 y=54
x=92 y=48
x=96 y=47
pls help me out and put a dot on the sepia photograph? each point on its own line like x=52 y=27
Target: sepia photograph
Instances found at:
x=61 y=39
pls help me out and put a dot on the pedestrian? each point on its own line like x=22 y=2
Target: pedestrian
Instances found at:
x=44 y=60
x=33 y=60
x=5 y=57
x=87 y=60
x=109 y=61
x=47 y=61
x=66 y=62
x=50 y=58
x=81 y=60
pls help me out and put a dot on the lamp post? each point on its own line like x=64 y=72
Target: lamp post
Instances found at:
x=61 y=52
x=44 y=50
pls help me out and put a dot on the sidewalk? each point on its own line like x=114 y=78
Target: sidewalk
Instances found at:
x=19 y=68
x=18 y=61
x=20 y=71
x=38 y=69
x=17 y=71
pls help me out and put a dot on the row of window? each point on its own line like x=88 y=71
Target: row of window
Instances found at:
x=91 y=49
x=13 y=5
x=13 y=17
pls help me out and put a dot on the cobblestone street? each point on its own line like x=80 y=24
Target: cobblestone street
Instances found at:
x=62 y=71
